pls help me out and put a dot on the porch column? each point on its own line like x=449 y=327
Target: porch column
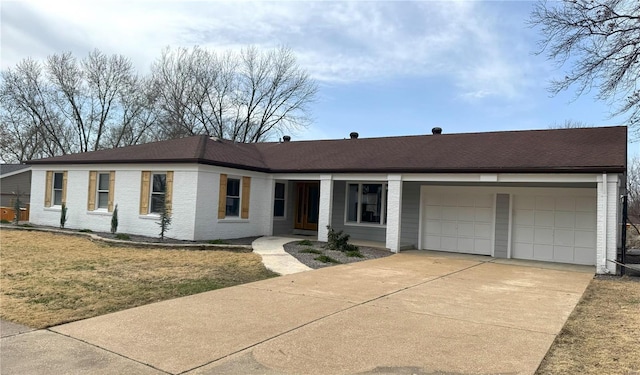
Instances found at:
x=326 y=205
x=607 y=223
x=394 y=212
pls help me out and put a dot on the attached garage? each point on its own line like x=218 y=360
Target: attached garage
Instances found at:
x=546 y=224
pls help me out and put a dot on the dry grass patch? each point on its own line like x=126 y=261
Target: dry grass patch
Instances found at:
x=602 y=335
x=49 y=279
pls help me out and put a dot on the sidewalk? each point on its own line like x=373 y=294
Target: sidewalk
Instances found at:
x=271 y=249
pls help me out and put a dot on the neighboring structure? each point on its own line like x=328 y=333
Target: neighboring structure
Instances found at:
x=14 y=178
x=550 y=195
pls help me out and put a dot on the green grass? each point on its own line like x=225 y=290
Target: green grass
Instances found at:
x=310 y=251
x=326 y=259
x=123 y=236
x=218 y=242
x=305 y=243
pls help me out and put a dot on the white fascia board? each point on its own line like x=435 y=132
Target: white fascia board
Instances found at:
x=506 y=177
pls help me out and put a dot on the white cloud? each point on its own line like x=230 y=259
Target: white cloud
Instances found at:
x=337 y=42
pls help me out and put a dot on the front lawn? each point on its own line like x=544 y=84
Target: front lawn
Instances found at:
x=48 y=279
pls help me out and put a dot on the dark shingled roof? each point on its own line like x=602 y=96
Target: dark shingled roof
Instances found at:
x=9 y=168
x=554 y=150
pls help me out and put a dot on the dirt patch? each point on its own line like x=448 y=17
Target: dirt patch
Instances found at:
x=602 y=335
x=309 y=250
x=48 y=279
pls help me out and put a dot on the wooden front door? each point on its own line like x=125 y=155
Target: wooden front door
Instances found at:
x=307 y=205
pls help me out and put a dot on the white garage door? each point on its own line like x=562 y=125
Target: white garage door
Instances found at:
x=457 y=220
x=559 y=227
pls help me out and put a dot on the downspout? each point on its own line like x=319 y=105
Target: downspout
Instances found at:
x=604 y=221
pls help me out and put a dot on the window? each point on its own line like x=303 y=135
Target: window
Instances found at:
x=233 y=197
x=366 y=203
x=156 y=191
x=279 y=199
x=103 y=190
x=101 y=186
x=55 y=189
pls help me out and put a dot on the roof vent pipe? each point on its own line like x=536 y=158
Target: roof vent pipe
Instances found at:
x=286 y=138
x=353 y=135
x=436 y=130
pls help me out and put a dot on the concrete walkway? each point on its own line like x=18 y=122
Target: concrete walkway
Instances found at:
x=413 y=312
x=275 y=258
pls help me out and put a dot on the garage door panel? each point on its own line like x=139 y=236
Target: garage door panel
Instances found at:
x=449 y=228
x=433 y=242
x=485 y=200
x=585 y=220
x=545 y=203
x=584 y=204
x=483 y=214
x=566 y=204
x=543 y=218
x=449 y=243
x=583 y=255
x=482 y=246
x=523 y=250
x=524 y=203
x=482 y=230
x=434 y=212
x=584 y=238
x=434 y=227
x=542 y=252
x=523 y=217
x=563 y=254
x=523 y=234
x=466 y=245
x=565 y=219
x=563 y=237
x=449 y=200
x=465 y=200
x=466 y=214
x=466 y=229
x=450 y=213
x=542 y=235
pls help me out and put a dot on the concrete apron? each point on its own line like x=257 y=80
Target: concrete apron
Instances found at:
x=411 y=312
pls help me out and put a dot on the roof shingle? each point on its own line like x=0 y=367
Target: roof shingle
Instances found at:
x=554 y=150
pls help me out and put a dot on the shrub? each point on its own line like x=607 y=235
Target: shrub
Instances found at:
x=122 y=236
x=326 y=259
x=85 y=231
x=310 y=251
x=165 y=219
x=218 y=242
x=114 y=220
x=339 y=241
x=3 y=221
x=354 y=254
x=63 y=215
x=305 y=243
x=16 y=207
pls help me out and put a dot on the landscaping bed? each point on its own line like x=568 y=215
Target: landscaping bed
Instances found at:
x=314 y=254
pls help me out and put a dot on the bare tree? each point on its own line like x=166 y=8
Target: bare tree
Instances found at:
x=599 y=39
x=569 y=124
x=66 y=105
x=246 y=97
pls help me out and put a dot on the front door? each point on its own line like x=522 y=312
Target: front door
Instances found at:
x=307 y=202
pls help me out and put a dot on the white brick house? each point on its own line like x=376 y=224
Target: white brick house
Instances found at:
x=550 y=195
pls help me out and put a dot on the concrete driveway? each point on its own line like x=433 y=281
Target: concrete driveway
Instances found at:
x=410 y=313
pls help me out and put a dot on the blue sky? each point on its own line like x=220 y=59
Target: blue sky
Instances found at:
x=384 y=68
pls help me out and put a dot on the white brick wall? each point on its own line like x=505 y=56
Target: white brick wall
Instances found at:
x=194 y=208
x=607 y=228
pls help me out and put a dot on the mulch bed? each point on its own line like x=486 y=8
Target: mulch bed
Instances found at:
x=294 y=248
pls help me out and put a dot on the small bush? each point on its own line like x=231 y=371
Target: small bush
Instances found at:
x=339 y=241
x=114 y=220
x=3 y=221
x=326 y=259
x=85 y=231
x=63 y=216
x=305 y=243
x=26 y=225
x=310 y=251
x=354 y=254
x=122 y=236
x=219 y=242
